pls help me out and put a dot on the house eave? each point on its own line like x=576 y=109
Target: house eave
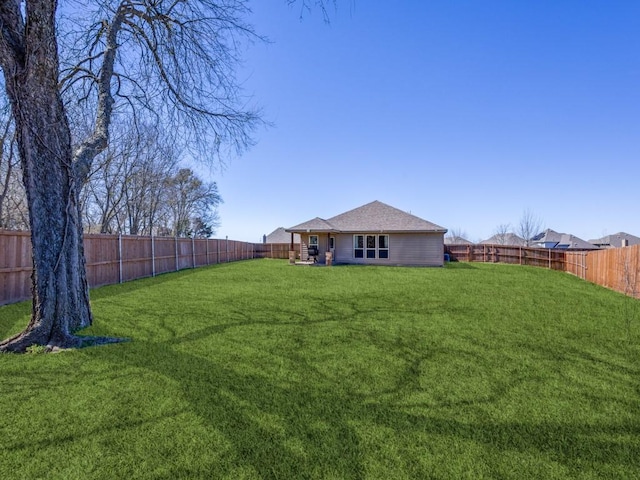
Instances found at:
x=311 y=230
x=317 y=230
x=392 y=231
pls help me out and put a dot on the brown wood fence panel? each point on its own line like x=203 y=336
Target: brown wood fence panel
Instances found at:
x=185 y=253
x=15 y=266
x=113 y=258
x=137 y=260
x=201 y=252
x=274 y=250
x=103 y=259
x=536 y=257
x=576 y=263
x=616 y=268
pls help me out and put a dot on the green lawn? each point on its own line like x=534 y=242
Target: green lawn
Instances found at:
x=258 y=369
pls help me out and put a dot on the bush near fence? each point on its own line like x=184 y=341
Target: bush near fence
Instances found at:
x=120 y=258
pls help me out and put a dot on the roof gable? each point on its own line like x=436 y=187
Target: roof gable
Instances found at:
x=552 y=239
x=509 y=239
x=316 y=225
x=617 y=240
x=372 y=217
x=279 y=235
x=377 y=216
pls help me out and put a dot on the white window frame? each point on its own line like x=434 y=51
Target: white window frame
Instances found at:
x=367 y=251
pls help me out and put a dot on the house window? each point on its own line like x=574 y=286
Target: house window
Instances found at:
x=358 y=246
x=371 y=246
x=313 y=241
x=383 y=246
x=332 y=243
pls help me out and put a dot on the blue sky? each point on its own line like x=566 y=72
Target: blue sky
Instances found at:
x=464 y=113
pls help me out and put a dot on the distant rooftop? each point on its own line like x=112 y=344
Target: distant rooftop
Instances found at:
x=505 y=239
x=279 y=235
x=552 y=239
x=617 y=240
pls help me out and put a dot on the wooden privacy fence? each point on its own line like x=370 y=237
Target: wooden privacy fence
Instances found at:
x=536 y=257
x=120 y=258
x=614 y=268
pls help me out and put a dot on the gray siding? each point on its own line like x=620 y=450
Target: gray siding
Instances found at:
x=419 y=249
x=323 y=245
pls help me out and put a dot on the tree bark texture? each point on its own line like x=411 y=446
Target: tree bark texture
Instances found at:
x=29 y=58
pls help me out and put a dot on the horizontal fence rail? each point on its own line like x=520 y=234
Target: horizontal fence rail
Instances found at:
x=614 y=268
x=536 y=257
x=119 y=258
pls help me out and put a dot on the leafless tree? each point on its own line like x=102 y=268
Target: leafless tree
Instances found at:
x=502 y=233
x=167 y=60
x=127 y=185
x=154 y=162
x=13 y=204
x=529 y=225
x=191 y=203
x=456 y=236
x=306 y=6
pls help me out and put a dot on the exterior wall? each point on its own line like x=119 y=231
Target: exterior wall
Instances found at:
x=323 y=246
x=415 y=249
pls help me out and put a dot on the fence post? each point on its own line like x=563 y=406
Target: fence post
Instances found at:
x=153 y=256
x=193 y=252
x=226 y=248
x=176 y=243
x=120 y=258
x=206 y=246
x=549 y=259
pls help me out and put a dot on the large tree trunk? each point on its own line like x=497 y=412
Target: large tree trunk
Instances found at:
x=60 y=290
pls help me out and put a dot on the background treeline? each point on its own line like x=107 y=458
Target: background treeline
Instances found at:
x=137 y=185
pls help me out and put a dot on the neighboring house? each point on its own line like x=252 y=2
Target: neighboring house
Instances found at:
x=450 y=240
x=375 y=233
x=552 y=239
x=617 y=240
x=510 y=239
x=280 y=235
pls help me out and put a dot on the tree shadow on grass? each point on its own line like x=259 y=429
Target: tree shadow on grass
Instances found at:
x=282 y=428
x=276 y=430
x=14 y=318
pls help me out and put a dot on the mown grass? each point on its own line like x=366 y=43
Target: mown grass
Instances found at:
x=262 y=370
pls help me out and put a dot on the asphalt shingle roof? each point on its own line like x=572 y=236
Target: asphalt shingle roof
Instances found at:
x=616 y=240
x=510 y=239
x=279 y=235
x=372 y=217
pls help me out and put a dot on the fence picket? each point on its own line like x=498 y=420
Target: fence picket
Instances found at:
x=120 y=258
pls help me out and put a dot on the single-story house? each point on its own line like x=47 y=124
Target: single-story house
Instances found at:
x=456 y=240
x=280 y=235
x=507 y=239
x=565 y=241
x=617 y=240
x=375 y=233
